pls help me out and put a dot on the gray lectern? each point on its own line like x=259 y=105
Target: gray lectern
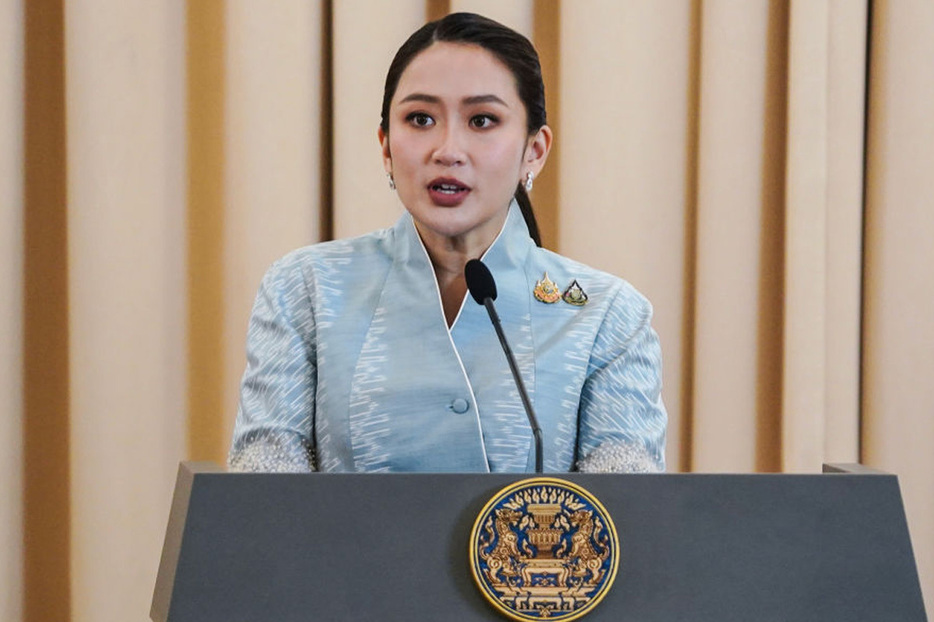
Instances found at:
x=693 y=547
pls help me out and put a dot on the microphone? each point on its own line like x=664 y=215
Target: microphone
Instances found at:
x=482 y=288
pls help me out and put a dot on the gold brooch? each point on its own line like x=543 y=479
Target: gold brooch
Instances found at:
x=546 y=290
x=574 y=295
x=544 y=548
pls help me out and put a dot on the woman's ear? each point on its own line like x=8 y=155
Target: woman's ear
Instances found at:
x=384 y=145
x=537 y=149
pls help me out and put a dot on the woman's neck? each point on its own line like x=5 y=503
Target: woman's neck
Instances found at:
x=448 y=257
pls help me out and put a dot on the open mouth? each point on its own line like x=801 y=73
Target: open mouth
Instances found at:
x=447 y=192
x=449 y=189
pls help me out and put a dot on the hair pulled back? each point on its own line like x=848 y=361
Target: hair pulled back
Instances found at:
x=508 y=46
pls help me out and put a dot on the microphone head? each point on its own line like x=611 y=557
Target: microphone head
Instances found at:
x=480 y=282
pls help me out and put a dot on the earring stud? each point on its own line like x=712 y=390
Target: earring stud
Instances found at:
x=528 y=181
x=392 y=182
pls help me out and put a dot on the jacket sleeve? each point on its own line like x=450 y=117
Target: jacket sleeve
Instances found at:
x=622 y=420
x=273 y=431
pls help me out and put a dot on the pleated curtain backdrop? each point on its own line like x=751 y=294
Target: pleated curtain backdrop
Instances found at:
x=762 y=170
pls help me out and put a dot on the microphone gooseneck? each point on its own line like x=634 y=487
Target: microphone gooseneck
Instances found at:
x=482 y=288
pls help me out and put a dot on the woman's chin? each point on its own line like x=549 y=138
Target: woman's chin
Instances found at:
x=458 y=226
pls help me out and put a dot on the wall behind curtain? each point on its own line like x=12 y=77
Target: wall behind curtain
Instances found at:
x=748 y=166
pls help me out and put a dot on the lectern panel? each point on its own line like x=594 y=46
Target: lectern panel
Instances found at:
x=301 y=547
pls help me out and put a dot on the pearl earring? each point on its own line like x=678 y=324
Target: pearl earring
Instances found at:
x=528 y=181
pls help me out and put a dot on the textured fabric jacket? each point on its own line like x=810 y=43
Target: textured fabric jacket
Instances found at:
x=351 y=366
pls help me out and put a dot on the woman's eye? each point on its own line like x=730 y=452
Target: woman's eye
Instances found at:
x=483 y=121
x=420 y=119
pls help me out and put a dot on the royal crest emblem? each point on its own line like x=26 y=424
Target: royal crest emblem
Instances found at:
x=544 y=548
x=546 y=290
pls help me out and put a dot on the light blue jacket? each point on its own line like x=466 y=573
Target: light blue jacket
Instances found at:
x=351 y=366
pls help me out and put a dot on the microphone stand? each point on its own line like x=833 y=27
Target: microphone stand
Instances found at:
x=533 y=420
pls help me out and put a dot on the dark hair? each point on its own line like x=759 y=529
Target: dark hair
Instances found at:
x=508 y=46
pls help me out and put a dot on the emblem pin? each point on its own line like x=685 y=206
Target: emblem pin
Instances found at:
x=574 y=295
x=546 y=290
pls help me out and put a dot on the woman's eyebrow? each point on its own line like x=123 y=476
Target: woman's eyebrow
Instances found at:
x=420 y=97
x=484 y=99
x=471 y=100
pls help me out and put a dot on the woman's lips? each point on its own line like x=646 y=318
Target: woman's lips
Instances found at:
x=446 y=192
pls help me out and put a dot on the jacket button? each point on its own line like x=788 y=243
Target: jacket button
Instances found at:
x=460 y=405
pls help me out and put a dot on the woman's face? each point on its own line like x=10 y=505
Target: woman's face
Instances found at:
x=458 y=143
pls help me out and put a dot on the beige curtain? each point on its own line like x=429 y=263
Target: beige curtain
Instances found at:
x=746 y=164
x=898 y=322
x=11 y=306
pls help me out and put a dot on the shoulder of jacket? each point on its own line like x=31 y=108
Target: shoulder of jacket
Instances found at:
x=614 y=288
x=369 y=249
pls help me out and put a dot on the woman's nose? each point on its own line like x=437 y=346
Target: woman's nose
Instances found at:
x=450 y=151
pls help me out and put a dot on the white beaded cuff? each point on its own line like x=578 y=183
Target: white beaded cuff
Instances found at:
x=618 y=457
x=272 y=452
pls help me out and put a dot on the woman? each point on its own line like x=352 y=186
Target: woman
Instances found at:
x=366 y=355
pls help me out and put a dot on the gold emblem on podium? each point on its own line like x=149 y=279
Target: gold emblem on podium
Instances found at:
x=544 y=549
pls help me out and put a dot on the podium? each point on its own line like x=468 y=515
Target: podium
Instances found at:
x=693 y=547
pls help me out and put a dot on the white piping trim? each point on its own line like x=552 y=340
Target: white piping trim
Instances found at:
x=482 y=257
x=502 y=229
x=459 y=310
x=473 y=398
